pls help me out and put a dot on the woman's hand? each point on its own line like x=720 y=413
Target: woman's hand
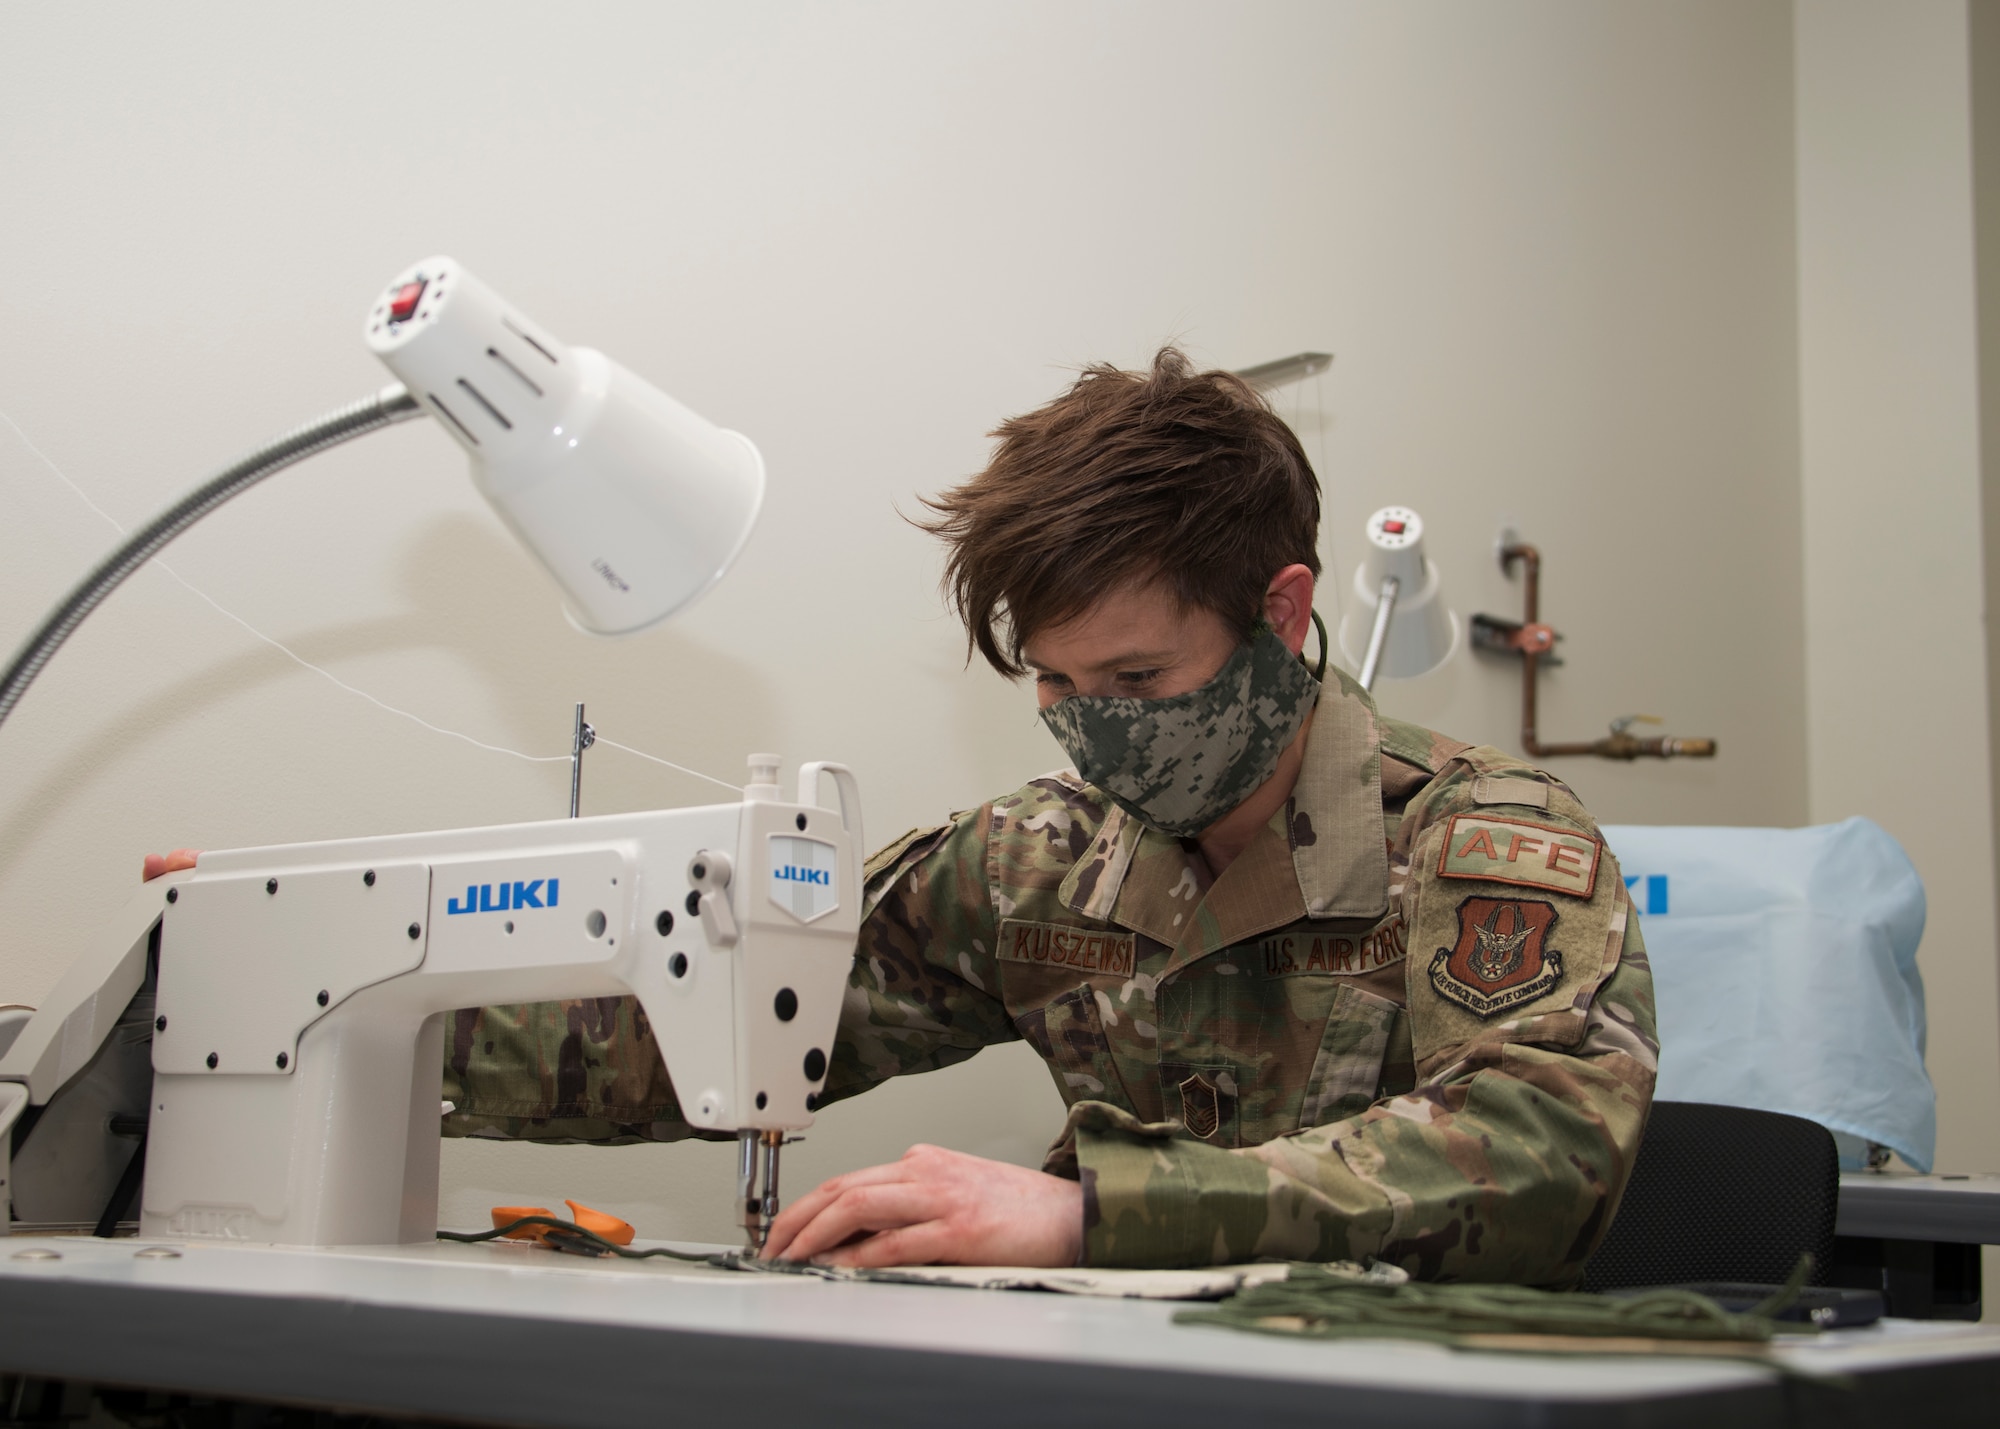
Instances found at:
x=934 y=1207
x=159 y=863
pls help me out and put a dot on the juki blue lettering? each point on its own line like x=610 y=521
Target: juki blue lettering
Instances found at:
x=504 y=897
x=1656 y=892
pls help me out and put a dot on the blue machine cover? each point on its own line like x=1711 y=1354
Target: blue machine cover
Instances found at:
x=1785 y=961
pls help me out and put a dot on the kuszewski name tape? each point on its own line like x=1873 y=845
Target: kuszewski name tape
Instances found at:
x=1053 y=945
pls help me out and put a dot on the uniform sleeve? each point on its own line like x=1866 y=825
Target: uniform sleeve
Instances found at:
x=590 y=1069
x=585 y=1069
x=1531 y=1013
x=923 y=994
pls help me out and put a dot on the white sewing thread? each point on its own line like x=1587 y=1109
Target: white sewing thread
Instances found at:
x=668 y=762
x=325 y=674
x=83 y=495
x=285 y=649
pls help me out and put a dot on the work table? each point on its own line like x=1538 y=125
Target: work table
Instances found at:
x=510 y=1333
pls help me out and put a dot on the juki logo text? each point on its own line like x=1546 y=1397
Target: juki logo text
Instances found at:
x=1656 y=892
x=506 y=897
x=792 y=873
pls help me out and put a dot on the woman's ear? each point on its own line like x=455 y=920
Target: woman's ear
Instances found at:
x=1288 y=603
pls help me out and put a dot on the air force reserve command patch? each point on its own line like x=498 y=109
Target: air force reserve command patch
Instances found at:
x=1493 y=850
x=1501 y=959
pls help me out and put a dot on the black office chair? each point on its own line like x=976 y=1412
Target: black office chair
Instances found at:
x=1722 y=1193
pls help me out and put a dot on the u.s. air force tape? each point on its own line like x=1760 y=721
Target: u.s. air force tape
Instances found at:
x=1304 y=954
x=1091 y=950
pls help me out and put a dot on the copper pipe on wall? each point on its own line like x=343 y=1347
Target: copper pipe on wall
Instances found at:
x=1532 y=640
x=1531 y=647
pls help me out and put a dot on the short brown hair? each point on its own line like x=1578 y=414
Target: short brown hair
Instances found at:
x=1182 y=476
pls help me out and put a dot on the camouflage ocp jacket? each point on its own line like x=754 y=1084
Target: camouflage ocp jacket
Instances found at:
x=1413 y=1020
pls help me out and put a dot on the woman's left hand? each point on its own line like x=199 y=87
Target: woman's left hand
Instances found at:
x=934 y=1207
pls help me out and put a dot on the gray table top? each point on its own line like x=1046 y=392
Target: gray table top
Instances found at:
x=1902 y=1205
x=515 y=1334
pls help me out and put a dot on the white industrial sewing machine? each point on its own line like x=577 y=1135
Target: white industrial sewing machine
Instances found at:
x=262 y=1036
x=298 y=997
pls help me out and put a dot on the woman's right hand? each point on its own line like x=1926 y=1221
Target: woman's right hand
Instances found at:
x=159 y=863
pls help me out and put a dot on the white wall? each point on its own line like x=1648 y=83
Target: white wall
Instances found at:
x=1895 y=578
x=1551 y=243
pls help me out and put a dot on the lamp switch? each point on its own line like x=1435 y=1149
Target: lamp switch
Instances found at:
x=403 y=306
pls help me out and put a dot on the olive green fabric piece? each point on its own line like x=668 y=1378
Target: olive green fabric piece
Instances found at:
x=1314 y=1304
x=1245 y=1079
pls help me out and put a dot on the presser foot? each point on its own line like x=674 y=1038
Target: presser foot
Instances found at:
x=757 y=1184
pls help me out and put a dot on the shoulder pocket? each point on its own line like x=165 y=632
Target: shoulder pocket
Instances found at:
x=895 y=858
x=1506 y=957
x=1510 y=789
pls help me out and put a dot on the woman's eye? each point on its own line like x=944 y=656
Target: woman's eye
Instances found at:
x=1052 y=682
x=1137 y=679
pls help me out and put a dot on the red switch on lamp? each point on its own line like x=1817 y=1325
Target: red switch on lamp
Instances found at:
x=403 y=306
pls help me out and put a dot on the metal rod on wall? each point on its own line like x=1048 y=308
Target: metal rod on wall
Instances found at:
x=1266 y=375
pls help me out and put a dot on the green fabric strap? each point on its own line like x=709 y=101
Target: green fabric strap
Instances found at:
x=1313 y=1303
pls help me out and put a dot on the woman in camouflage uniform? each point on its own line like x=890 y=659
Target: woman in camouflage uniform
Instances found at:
x=1314 y=983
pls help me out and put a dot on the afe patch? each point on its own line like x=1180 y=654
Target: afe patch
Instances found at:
x=1090 y=950
x=1516 y=851
x=1501 y=959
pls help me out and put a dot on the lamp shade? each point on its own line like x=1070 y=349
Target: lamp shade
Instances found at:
x=1423 y=631
x=634 y=504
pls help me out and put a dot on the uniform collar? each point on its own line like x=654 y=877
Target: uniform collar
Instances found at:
x=1334 y=820
x=1324 y=855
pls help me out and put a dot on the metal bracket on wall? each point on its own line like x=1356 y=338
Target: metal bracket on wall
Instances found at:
x=1534 y=642
x=1268 y=375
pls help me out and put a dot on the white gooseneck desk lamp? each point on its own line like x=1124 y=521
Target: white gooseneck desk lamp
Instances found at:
x=294 y=997
x=633 y=503
x=1401 y=626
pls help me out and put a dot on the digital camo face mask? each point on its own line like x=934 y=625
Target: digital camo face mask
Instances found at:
x=1180 y=763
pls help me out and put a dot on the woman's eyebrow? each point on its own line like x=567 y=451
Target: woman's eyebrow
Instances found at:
x=1131 y=659
x=1139 y=659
